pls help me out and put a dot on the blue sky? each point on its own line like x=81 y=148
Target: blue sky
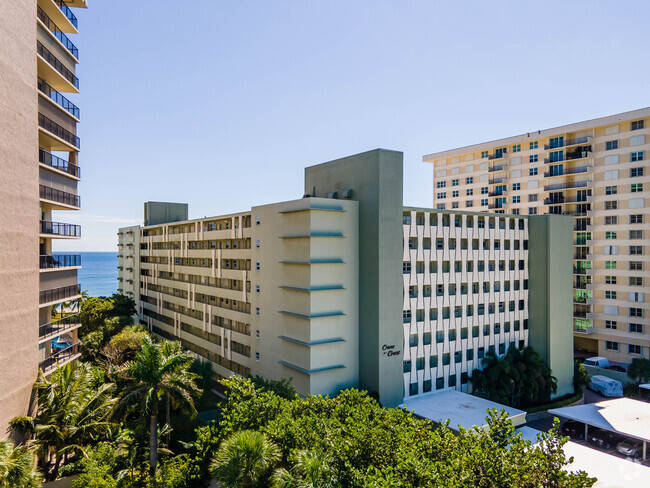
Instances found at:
x=221 y=104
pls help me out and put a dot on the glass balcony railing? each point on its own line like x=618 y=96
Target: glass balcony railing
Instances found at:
x=56 y=64
x=60 y=229
x=60 y=261
x=56 y=162
x=58 y=33
x=51 y=126
x=56 y=294
x=59 y=196
x=57 y=98
x=67 y=12
x=62 y=355
x=58 y=326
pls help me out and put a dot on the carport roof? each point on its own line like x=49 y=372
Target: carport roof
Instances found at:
x=623 y=415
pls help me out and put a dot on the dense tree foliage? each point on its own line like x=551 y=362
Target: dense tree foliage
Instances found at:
x=639 y=370
x=580 y=376
x=520 y=378
x=17 y=467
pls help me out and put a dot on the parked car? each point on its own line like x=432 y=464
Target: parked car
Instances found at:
x=606 y=386
x=597 y=361
x=574 y=429
x=630 y=447
x=604 y=438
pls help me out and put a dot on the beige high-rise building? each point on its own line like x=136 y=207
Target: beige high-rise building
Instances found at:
x=38 y=155
x=596 y=171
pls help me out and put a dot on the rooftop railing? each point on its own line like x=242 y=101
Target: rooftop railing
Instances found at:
x=56 y=294
x=58 y=326
x=67 y=12
x=56 y=64
x=56 y=162
x=57 y=98
x=51 y=126
x=60 y=229
x=58 y=33
x=60 y=261
x=59 y=196
x=62 y=355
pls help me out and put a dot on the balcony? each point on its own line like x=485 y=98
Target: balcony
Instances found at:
x=59 y=294
x=60 y=358
x=567 y=185
x=48 y=159
x=56 y=32
x=561 y=201
x=583 y=330
x=57 y=98
x=572 y=156
x=569 y=171
x=60 y=229
x=496 y=181
x=569 y=142
x=555 y=160
x=67 y=12
x=56 y=261
x=58 y=66
x=58 y=327
x=497 y=155
x=580 y=314
x=52 y=127
x=497 y=193
x=63 y=197
x=493 y=206
x=499 y=167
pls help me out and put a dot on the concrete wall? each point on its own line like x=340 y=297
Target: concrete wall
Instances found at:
x=551 y=294
x=20 y=208
x=164 y=212
x=375 y=178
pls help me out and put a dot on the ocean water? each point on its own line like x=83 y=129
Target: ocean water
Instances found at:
x=98 y=273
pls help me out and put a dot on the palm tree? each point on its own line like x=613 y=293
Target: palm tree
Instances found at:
x=159 y=371
x=17 y=467
x=71 y=414
x=244 y=459
x=309 y=471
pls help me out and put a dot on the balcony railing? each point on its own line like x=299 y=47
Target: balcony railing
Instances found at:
x=57 y=98
x=569 y=171
x=51 y=126
x=554 y=160
x=60 y=229
x=499 y=167
x=570 y=156
x=573 y=142
x=561 y=201
x=59 y=196
x=56 y=64
x=59 y=357
x=567 y=185
x=56 y=294
x=67 y=12
x=497 y=156
x=56 y=162
x=58 y=326
x=58 y=33
x=497 y=193
x=495 y=181
x=60 y=261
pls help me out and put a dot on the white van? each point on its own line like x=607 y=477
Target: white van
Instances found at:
x=606 y=386
x=598 y=361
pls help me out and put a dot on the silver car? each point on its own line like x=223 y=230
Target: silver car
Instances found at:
x=630 y=447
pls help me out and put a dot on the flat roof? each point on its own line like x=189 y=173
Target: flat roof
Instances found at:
x=623 y=415
x=459 y=408
x=611 y=471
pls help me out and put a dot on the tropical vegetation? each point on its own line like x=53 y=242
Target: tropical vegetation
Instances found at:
x=17 y=467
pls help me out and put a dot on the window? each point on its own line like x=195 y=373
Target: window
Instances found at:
x=610 y=235
x=610 y=264
x=637 y=124
x=611 y=220
x=533 y=145
x=516 y=186
x=636 y=328
x=406 y=316
x=484 y=154
x=484 y=202
x=633 y=349
x=406 y=267
x=532 y=172
x=516 y=148
x=533 y=158
x=610 y=280
x=484 y=190
x=257 y=266
x=440 y=206
x=635 y=312
x=636 y=156
x=454 y=182
x=257 y=311
x=609 y=145
x=441 y=195
x=611 y=346
x=636 y=172
x=516 y=199
x=407 y=366
x=454 y=194
x=257 y=288
x=413 y=389
x=636 y=219
x=609 y=294
x=406 y=220
x=610 y=324
x=636 y=265
x=470 y=192
x=257 y=243
x=469 y=180
x=611 y=190
x=257 y=221
x=419 y=364
x=611 y=205
x=635 y=281
x=441 y=184
x=636 y=234
x=636 y=187
x=532 y=211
